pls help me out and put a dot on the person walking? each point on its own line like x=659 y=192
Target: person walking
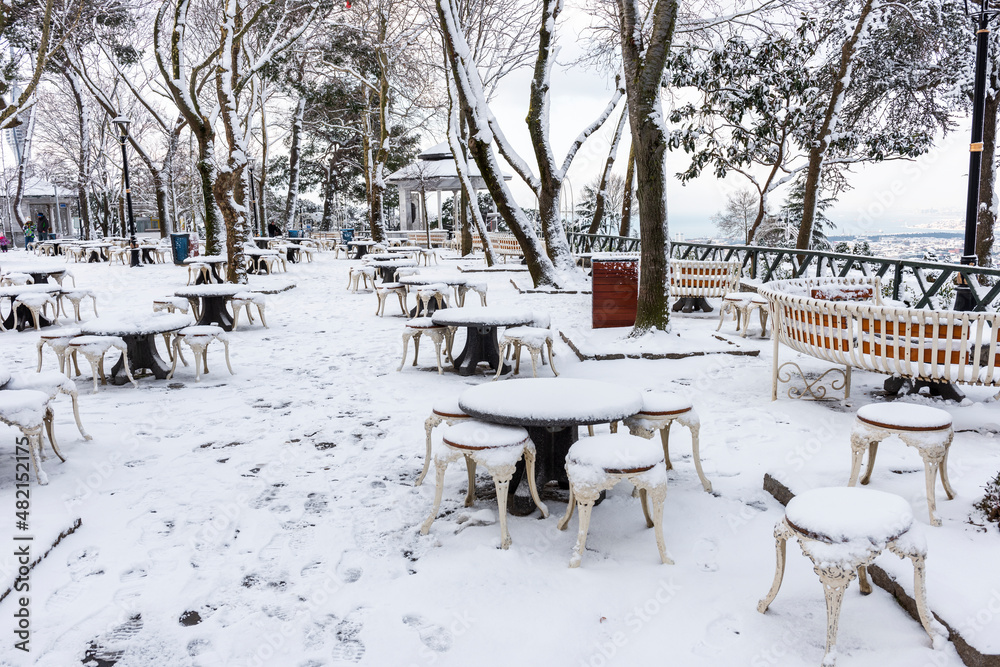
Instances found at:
x=273 y=230
x=43 y=227
x=3 y=242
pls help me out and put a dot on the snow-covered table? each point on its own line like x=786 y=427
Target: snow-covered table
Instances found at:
x=387 y=267
x=431 y=278
x=551 y=409
x=39 y=270
x=258 y=260
x=360 y=247
x=214 y=263
x=209 y=303
x=481 y=333
x=139 y=333
x=24 y=317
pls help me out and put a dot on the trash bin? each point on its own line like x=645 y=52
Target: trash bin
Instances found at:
x=615 y=290
x=293 y=233
x=346 y=235
x=179 y=247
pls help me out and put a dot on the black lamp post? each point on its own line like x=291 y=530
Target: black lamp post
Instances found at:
x=981 y=17
x=122 y=122
x=253 y=201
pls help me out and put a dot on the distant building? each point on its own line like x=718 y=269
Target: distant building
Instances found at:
x=57 y=203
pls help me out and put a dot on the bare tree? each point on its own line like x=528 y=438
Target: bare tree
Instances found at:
x=739 y=218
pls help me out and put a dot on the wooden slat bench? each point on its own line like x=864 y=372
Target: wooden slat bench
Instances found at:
x=692 y=281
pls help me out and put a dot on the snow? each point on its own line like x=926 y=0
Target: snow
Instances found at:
x=850 y=514
x=5 y=377
x=532 y=336
x=23 y=407
x=488 y=316
x=555 y=400
x=659 y=402
x=616 y=451
x=135 y=324
x=448 y=407
x=905 y=415
x=475 y=434
x=279 y=505
x=210 y=289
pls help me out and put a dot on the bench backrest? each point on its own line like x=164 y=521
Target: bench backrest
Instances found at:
x=689 y=277
x=419 y=236
x=943 y=346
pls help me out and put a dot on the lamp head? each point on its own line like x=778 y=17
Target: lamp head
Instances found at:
x=122 y=122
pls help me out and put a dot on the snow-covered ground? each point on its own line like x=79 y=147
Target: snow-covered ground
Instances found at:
x=270 y=517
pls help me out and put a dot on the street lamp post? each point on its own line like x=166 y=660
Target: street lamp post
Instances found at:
x=982 y=17
x=122 y=123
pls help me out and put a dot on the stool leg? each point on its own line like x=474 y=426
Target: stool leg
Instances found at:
x=586 y=506
x=470 y=469
x=858 y=446
x=932 y=461
x=695 y=427
x=657 y=496
x=38 y=347
x=931 y=626
x=645 y=507
x=552 y=364
x=529 y=460
x=437 y=351
x=590 y=430
x=614 y=426
x=944 y=471
x=440 y=466
x=402 y=304
x=835 y=580
x=570 y=506
x=176 y=355
x=503 y=355
x=501 y=480
x=34 y=447
x=722 y=314
x=665 y=438
x=872 y=451
x=225 y=345
x=534 y=352
x=50 y=430
x=406 y=341
x=428 y=427
x=76 y=415
x=416 y=347
x=866 y=588
x=781 y=535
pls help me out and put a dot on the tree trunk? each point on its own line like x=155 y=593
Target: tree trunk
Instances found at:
x=22 y=169
x=595 y=224
x=83 y=157
x=329 y=194
x=817 y=153
x=293 y=164
x=462 y=213
x=644 y=64
x=472 y=101
x=987 y=213
x=262 y=187
x=625 y=226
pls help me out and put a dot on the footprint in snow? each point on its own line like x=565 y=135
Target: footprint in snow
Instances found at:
x=706 y=553
x=348 y=647
x=315 y=503
x=433 y=636
x=720 y=634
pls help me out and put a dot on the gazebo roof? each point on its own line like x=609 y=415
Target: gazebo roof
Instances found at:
x=436 y=168
x=36 y=187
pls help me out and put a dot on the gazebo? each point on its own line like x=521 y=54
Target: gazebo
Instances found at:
x=56 y=202
x=434 y=171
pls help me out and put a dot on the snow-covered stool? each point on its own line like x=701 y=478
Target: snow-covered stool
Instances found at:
x=463 y=289
x=599 y=463
x=733 y=303
x=363 y=274
x=171 y=304
x=63 y=275
x=51 y=383
x=28 y=411
x=306 y=253
x=926 y=429
x=276 y=261
x=198 y=270
x=842 y=530
x=58 y=340
x=437 y=292
x=495 y=447
x=445 y=410
x=659 y=411
x=425 y=256
x=122 y=255
x=536 y=339
x=76 y=296
x=760 y=304
x=243 y=300
x=74 y=253
x=15 y=278
x=36 y=303
x=198 y=338
x=93 y=348
x=404 y=271
x=384 y=290
x=424 y=326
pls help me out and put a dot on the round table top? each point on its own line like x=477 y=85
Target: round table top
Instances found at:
x=136 y=325
x=206 y=259
x=42 y=288
x=432 y=278
x=557 y=402
x=361 y=242
x=483 y=316
x=50 y=268
x=259 y=252
x=397 y=262
x=198 y=291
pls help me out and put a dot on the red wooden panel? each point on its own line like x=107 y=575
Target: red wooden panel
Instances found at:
x=615 y=293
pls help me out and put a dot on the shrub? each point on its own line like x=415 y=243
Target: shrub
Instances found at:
x=989 y=506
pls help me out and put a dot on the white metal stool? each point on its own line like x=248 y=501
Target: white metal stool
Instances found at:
x=58 y=340
x=926 y=429
x=842 y=530
x=93 y=348
x=445 y=410
x=198 y=338
x=424 y=326
x=659 y=411
x=498 y=449
x=599 y=463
